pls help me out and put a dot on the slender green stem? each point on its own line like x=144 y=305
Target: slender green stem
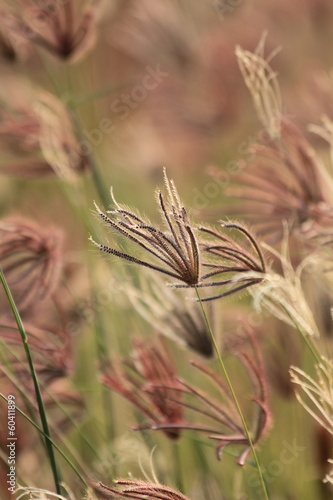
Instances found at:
x=41 y=408
x=234 y=397
x=55 y=430
x=48 y=438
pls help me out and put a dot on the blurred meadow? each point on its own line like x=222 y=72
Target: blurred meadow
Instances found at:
x=166 y=223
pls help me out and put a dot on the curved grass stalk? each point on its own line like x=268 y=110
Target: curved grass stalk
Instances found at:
x=41 y=407
x=55 y=429
x=234 y=397
x=49 y=439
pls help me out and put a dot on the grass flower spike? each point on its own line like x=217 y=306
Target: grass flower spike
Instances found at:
x=283 y=179
x=262 y=82
x=140 y=490
x=316 y=396
x=31 y=259
x=319 y=393
x=243 y=266
x=149 y=382
x=178 y=253
x=174 y=248
x=283 y=294
x=218 y=418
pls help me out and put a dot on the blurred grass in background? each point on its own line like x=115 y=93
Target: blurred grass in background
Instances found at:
x=159 y=86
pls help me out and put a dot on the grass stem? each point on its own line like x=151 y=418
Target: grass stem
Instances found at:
x=41 y=407
x=47 y=438
x=234 y=397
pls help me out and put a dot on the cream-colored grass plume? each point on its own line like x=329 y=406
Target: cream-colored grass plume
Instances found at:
x=316 y=396
x=325 y=131
x=32 y=493
x=263 y=85
x=318 y=400
x=283 y=295
x=58 y=142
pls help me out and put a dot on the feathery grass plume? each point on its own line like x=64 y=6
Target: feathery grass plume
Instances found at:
x=179 y=252
x=41 y=137
x=148 y=381
x=316 y=396
x=32 y=493
x=175 y=248
x=172 y=314
x=318 y=400
x=65 y=29
x=284 y=180
x=57 y=139
x=283 y=295
x=138 y=489
x=325 y=131
x=31 y=259
x=243 y=263
x=262 y=82
x=226 y=426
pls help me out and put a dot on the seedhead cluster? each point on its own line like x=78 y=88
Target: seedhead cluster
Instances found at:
x=180 y=252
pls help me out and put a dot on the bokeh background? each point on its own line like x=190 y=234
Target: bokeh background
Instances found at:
x=157 y=85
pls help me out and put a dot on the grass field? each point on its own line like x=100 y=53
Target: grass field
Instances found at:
x=166 y=223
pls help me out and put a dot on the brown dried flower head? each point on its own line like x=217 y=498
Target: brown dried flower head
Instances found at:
x=66 y=29
x=31 y=259
x=148 y=381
